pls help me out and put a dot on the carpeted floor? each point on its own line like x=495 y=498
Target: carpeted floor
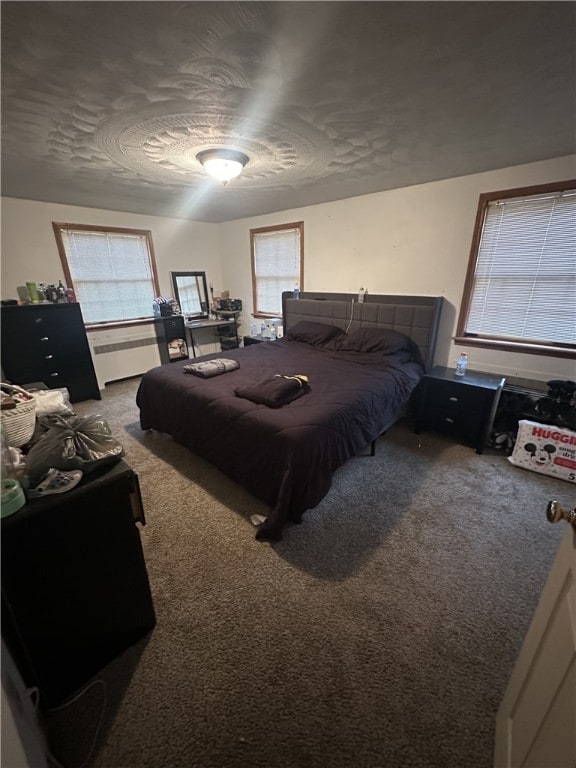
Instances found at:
x=380 y=633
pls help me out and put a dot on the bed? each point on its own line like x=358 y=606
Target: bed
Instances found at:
x=362 y=361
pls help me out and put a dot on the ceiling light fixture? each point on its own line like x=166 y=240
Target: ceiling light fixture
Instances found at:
x=222 y=164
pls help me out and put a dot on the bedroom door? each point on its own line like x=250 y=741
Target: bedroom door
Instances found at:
x=536 y=722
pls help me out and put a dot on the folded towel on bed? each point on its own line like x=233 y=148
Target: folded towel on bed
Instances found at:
x=275 y=392
x=210 y=368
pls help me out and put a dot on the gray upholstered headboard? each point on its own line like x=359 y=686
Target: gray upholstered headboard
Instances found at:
x=416 y=316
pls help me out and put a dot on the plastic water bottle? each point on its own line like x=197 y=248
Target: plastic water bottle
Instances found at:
x=461 y=364
x=361 y=294
x=263 y=329
x=296 y=292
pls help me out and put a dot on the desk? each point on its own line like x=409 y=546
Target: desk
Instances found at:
x=195 y=325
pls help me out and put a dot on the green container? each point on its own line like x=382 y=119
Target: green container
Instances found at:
x=13 y=497
x=33 y=291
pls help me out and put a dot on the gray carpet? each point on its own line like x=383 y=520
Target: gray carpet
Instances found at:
x=380 y=633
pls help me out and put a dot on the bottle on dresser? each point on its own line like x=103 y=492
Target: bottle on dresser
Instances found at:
x=462 y=364
x=61 y=293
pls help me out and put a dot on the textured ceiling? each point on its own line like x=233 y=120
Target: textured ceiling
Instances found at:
x=106 y=104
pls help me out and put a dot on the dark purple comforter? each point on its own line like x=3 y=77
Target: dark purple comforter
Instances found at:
x=284 y=456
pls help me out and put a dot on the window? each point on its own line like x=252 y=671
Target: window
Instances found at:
x=520 y=291
x=112 y=271
x=277 y=265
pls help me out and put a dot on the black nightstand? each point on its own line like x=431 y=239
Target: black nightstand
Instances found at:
x=248 y=340
x=462 y=406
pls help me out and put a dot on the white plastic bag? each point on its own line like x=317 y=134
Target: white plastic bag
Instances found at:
x=51 y=401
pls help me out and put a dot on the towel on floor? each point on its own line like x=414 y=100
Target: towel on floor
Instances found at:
x=210 y=368
x=275 y=392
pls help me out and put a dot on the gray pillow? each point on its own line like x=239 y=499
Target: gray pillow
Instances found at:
x=313 y=333
x=383 y=340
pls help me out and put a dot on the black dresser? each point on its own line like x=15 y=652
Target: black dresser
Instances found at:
x=48 y=343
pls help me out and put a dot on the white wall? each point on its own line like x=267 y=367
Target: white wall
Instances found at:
x=29 y=248
x=414 y=240
x=23 y=744
x=29 y=253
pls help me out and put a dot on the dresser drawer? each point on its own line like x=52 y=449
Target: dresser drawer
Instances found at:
x=35 y=325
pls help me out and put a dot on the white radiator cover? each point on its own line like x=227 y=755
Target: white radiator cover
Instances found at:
x=124 y=352
x=119 y=354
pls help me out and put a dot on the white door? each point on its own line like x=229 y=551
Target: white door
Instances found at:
x=536 y=722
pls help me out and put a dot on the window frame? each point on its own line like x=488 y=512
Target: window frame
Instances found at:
x=463 y=337
x=146 y=233
x=262 y=230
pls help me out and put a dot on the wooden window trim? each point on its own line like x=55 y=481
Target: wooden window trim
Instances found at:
x=119 y=324
x=488 y=342
x=275 y=228
x=147 y=233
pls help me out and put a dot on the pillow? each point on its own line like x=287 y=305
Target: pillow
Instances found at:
x=313 y=333
x=376 y=340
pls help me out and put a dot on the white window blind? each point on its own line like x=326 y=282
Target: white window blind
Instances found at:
x=277 y=260
x=525 y=278
x=112 y=274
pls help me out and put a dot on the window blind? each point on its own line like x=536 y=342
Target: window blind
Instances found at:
x=525 y=278
x=276 y=267
x=112 y=274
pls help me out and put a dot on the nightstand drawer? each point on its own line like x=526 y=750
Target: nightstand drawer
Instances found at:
x=452 y=396
x=460 y=423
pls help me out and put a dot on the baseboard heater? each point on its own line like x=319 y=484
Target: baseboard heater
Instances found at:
x=119 y=346
x=124 y=356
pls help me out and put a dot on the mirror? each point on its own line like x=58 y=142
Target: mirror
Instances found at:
x=191 y=293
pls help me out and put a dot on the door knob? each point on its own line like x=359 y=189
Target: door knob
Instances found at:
x=555 y=513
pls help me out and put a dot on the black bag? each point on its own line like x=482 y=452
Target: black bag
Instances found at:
x=73 y=442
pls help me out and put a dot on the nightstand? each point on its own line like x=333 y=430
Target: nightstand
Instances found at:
x=461 y=406
x=248 y=340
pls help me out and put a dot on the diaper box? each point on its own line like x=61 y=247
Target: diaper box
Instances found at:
x=546 y=449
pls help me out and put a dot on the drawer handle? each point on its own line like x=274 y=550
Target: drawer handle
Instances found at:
x=450 y=421
x=39 y=320
x=48 y=357
x=453 y=399
x=44 y=338
x=54 y=374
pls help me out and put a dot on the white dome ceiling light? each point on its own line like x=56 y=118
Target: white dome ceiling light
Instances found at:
x=222 y=164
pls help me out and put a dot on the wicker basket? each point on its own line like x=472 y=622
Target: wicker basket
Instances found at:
x=18 y=423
